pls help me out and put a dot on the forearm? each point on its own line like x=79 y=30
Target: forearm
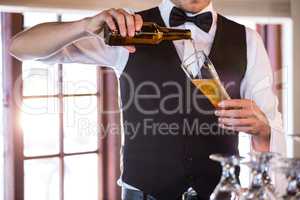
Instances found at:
x=45 y=39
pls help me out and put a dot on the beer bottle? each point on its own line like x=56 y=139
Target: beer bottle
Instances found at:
x=150 y=34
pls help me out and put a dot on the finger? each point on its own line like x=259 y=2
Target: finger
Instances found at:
x=129 y=22
x=110 y=22
x=237 y=113
x=131 y=49
x=138 y=22
x=236 y=103
x=237 y=122
x=246 y=129
x=130 y=25
x=120 y=18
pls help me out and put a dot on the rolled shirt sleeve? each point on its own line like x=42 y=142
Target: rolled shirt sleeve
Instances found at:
x=90 y=50
x=257 y=85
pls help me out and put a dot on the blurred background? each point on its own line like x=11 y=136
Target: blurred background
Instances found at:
x=54 y=143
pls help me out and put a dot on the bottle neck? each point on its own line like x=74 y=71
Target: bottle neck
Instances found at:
x=175 y=34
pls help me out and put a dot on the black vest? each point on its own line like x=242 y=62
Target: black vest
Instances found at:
x=170 y=127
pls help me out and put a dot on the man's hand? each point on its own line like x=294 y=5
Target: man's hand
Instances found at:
x=245 y=116
x=127 y=23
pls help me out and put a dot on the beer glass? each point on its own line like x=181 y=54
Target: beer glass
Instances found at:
x=261 y=187
x=290 y=167
x=228 y=187
x=202 y=73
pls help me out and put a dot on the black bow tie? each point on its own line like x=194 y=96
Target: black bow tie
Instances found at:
x=179 y=17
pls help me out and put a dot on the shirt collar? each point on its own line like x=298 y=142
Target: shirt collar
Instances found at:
x=167 y=5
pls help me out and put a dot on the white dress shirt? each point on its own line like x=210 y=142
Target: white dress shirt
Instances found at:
x=256 y=85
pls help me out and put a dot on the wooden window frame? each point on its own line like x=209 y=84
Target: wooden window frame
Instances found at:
x=107 y=148
x=13 y=141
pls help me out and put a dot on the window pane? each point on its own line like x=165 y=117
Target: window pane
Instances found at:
x=39 y=79
x=40 y=125
x=81 y=178
x=80 y=124
x=42 y=179
x=34 y=18
x=79 y=79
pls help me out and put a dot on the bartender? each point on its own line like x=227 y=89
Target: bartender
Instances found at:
x=158 y=164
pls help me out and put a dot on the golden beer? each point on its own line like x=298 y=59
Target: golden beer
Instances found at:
x=212 y=89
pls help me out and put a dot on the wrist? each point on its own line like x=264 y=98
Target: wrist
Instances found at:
x=81 y=26
x=261 y=142
x=90 y=27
